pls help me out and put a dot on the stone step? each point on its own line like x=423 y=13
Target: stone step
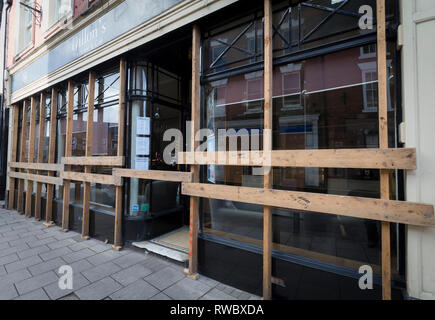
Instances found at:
x=162 y=250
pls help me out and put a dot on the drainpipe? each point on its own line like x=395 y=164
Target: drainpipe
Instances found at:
x=5 y=45
x=4 y=142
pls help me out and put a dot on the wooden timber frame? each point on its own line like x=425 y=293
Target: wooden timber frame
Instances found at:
x=117 y=242
x=40 y=155
x=384 y=159
x=32 y=172
x=383 y=143
x=68 y=153
x=267 y=146
x=16 y=113
x=31 y=156
x=89 y=161
x=20 y=195
x=52 y=157
x=88 y=152
x=192 y=270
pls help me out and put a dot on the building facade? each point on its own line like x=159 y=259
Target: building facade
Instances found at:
x=92 y=87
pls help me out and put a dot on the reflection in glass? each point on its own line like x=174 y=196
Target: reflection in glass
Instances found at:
x=326 y=102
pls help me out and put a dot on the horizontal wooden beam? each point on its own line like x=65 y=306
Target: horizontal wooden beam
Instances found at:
x=36 y=166
x=94 y=161
x=36 y=178
x=174 y=176
x=91 y=178
x=328 y=158
x=364 y=208
x=338 y=261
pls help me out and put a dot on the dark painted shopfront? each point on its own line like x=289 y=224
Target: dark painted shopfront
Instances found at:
x=325 y=96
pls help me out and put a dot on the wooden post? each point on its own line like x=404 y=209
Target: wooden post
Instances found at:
x=267 y=145
x=88 y=169
x=51 y=157
x=117 y=243
x=14 y=142
x=40 y=156
x=68 y=153
x=20 y=196
x=383 y=143
x=192 y=272
x=31 y=156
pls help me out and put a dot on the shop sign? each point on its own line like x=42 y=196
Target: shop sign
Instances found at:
x=121 y=19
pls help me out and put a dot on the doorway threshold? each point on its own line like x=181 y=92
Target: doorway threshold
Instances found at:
x=173 y=245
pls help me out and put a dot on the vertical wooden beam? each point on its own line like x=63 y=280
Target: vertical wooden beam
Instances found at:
x=14 y=141
x=40 y=156
x=88 y=169
x=31 y=156
x=68 y=153
x=267 y=145
x=51 y=157
x=117 y=245
x=20 y=196
x=192 y=272
x=383 y=143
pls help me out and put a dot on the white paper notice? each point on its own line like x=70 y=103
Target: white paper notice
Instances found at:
x=143 y=126
x=142 y=163
x=142 y=146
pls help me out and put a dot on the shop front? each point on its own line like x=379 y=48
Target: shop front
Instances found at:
x=90 y=141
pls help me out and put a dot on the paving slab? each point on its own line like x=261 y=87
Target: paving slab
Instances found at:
x=139 y=290
x=36 y=282
x=46 y=266
x=38 y=294
x=131 y=274
x=101 y=271
x=31 y=255
x=55 y=292
x=187 y=289
x=22 y=264
x=98 y=290
x=165 y=278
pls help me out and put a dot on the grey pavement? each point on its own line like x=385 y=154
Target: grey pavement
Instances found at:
x=31 y=255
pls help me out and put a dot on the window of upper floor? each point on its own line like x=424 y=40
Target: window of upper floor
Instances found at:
x=23 y=26
x=56 y=12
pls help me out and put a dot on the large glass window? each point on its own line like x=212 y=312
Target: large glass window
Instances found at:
x=155 y=106
x=105 y=135
x=23 y=25
x=328 y=101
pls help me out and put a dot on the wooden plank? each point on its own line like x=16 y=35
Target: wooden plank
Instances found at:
x=88 y=169
x=383 y=143
x=31 y=156
x=36 y=166
x=192 y=271
x=267 y=145
x=174 y=176
x=365 y=208
x=88 y=177
x=334 y=260
x=121 y=123
x=20 y=196
x=68 y=153
x=40 y=155
x=331 y=158
x=94 y=161
x=36 y=178
x=51 y=157
x=14 y=148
